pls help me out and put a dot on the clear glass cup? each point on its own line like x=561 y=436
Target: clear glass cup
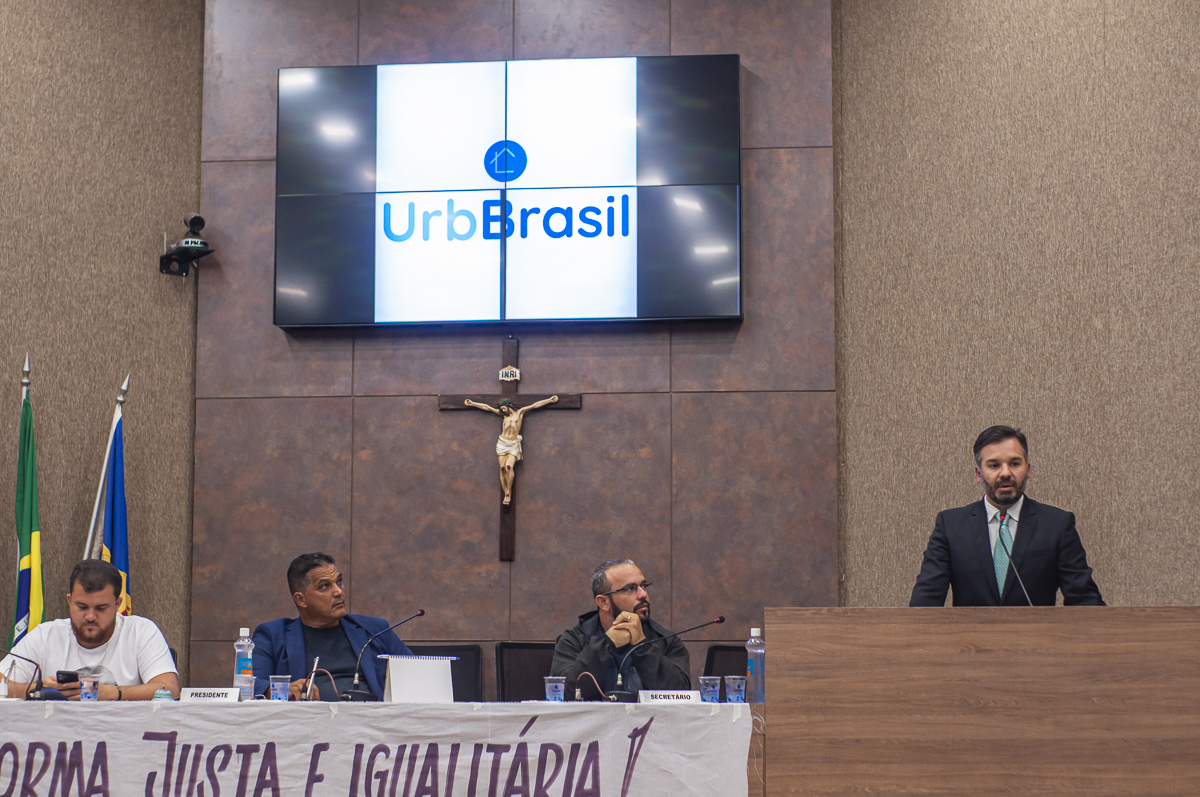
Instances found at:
x=735 y=689
x=710 y=688
x=89 y=688
x=556 y=687
x=280 y=684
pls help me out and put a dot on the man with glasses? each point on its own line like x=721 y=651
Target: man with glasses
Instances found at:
x=590 y=653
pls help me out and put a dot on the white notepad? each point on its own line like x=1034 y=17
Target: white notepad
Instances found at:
x=418 y=679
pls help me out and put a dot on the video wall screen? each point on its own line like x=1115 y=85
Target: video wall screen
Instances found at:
x=603 y=188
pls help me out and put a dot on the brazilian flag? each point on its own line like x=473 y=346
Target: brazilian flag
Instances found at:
x=28 y=613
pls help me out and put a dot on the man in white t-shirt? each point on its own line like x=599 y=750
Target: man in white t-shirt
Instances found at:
x=127 y=655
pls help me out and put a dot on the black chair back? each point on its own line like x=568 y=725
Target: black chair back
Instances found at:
x=520 y=668
x=725 y=660
x=466 y=674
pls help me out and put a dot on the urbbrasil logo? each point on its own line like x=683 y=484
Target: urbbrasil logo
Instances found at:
x=556 y=222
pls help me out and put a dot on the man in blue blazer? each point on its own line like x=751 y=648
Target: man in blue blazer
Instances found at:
x=974 y=549
x=288 y=646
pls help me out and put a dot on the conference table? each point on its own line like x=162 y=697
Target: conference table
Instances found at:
x=208 y=749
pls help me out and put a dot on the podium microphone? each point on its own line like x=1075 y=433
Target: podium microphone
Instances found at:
x=1013 y=564
x=36 y=691
x=620 y=695
x=356 y=695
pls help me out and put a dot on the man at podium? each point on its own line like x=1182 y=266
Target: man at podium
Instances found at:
x=1007 y=549
x=609 y=637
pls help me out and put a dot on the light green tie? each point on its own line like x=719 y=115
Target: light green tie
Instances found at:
x=1000 y=553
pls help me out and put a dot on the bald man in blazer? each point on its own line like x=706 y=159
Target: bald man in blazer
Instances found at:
x=1039 y=539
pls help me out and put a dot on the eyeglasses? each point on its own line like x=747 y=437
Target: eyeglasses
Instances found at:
x=629 y=590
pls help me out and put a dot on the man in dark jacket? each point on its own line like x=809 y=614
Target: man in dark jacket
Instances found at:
x=979 y=550
x=323 y=630
x=605 y=638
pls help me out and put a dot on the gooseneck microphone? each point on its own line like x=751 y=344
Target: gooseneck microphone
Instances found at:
x=1011 y=563
x=620 y=695
x=36 y=691
x=362 y=695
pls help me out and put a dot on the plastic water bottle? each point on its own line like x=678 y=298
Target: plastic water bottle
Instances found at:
x=756 y=660
x=243 y=664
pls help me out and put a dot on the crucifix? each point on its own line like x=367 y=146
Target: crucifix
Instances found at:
x=512 y=409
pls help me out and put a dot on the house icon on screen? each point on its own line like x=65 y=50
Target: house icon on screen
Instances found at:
x=505 y=160
x=500 y=158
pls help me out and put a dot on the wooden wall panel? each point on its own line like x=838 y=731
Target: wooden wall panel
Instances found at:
x=425 y=519
x=432 y=31
x=591 y=28
x=753 y=510
x=573 y=358
x=272 y=481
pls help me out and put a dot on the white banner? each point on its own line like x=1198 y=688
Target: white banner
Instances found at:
x=265 y=749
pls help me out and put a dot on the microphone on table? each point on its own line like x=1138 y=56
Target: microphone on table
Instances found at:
x=357 y=695
x=36 y=691
x=1011 y=563
x=620 y=695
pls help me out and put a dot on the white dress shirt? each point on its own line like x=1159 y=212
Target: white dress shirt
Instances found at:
x=993 y=516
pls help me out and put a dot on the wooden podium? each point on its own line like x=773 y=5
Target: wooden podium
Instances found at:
x=1051 y=700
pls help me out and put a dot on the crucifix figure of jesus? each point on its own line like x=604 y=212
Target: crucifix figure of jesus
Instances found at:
x=511 y=407
x=508 y=447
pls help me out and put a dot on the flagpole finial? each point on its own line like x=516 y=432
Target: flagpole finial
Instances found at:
x=124 y=389
x=25 y=372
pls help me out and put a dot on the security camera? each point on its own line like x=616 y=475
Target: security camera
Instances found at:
x=178 y=259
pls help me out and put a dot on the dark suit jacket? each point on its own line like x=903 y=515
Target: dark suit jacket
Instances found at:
x=1046 y=551
x=279 y=650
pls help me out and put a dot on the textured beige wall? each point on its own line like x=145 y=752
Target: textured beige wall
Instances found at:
x=1018 y=189
x=99 y=154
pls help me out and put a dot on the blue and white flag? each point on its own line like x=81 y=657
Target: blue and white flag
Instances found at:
x=110 y=541
x=116 y=526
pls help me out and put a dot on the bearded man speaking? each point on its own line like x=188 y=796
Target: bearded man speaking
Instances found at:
x=978 y=550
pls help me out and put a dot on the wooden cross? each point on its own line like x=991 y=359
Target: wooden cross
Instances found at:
x=510 y=376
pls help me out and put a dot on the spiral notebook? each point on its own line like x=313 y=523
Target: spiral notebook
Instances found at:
x=418 y=679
